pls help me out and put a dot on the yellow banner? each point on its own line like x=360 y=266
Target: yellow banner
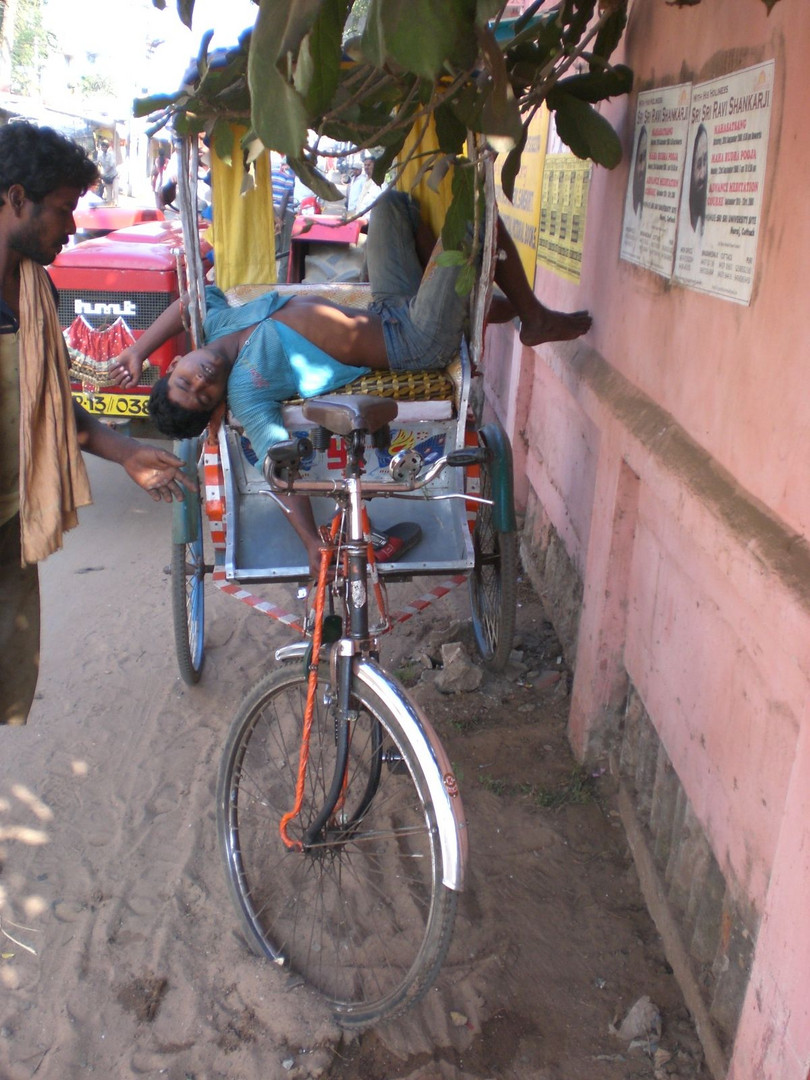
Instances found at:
x=243 y=232
x=522 y=215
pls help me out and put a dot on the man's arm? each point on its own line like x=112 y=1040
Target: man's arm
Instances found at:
x=157 y=471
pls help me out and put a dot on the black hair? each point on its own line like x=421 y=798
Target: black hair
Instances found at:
x=41 y=160
x=697 y=196
x=172 y=419
x=640 y=176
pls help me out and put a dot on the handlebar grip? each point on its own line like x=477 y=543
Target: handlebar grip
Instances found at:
x=473 y=455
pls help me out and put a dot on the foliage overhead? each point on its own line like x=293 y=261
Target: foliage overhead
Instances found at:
x=32 y=46
x=299 y=76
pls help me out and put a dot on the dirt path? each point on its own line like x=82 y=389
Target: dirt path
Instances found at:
x=119 y=954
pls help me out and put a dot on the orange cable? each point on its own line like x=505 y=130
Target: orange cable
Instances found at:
x=309 y=712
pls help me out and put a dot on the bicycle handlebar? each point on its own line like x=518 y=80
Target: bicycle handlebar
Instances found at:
x=287 y=456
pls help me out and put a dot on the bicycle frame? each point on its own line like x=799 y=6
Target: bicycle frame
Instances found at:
x=354 y=656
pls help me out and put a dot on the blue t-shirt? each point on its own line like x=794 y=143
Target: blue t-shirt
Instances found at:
x=275 y=363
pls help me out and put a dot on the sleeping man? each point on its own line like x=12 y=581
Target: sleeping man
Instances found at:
x=277 y=347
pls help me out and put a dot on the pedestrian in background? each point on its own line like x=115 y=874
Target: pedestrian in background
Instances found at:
x=108 y=170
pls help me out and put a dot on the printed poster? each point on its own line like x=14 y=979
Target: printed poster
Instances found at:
x=654 y=185
x=563 y=206
x=721 y=202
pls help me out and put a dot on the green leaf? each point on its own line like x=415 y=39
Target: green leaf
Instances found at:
x=278 y=112
x=148 y=105
x=451 y=258
x=292 y=20
x=317 y=72
x=417 y=35
x=576 y=16
x=189 y=124
x=609 y=36
x=500 y=116
x=597 y=85
x=461 y=210
x=544 y=32
x=511 y=167
x=185 y=9
x=222 y=140
x=389 y=155
x=468 y=105
x=450 y=131
x=584 y=130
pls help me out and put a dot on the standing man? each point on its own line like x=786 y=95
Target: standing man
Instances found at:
x=356 y=181
x=282 y=180
x=158 y=177
x=108 y=168
x=367 y=193
x=42 y=430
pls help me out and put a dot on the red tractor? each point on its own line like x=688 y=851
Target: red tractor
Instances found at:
x=110 y=290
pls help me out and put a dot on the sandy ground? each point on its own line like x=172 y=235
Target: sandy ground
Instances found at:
x=119 y=953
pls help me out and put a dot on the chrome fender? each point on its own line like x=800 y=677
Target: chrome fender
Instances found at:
x=436 y=764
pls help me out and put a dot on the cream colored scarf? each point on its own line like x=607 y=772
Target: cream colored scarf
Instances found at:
x=53 y=479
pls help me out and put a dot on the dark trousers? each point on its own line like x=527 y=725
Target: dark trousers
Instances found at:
x=19 y=628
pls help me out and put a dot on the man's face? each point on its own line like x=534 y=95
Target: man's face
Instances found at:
x=198 y=381
x=700 y=166
x=368 y=167
x=42 y=229
x=641 y=159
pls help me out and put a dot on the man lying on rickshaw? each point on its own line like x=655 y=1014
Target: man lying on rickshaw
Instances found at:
x=279 y=347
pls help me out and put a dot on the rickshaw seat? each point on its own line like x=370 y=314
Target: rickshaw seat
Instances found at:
x=350 y=412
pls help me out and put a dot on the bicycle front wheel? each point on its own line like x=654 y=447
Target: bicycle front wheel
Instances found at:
x=362 y=913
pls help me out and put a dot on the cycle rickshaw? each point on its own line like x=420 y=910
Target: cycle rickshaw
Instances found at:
x=338 y=812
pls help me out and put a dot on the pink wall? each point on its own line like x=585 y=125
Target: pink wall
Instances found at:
x=670 y=451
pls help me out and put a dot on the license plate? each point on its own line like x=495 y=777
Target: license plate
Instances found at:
x=124 y=405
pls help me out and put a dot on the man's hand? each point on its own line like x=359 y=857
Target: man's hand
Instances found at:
x=126 y=371
x=159 y=472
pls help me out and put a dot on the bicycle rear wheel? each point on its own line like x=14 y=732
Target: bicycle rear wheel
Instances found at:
x=188 y=604
x=493 y=580
x=362 y=914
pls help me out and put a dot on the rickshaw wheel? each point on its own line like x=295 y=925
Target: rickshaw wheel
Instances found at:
x=493 y=579
x=188 y=604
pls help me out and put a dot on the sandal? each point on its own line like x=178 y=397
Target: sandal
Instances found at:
x=396 y=541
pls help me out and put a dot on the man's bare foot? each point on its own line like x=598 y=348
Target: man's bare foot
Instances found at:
x=548 y=325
